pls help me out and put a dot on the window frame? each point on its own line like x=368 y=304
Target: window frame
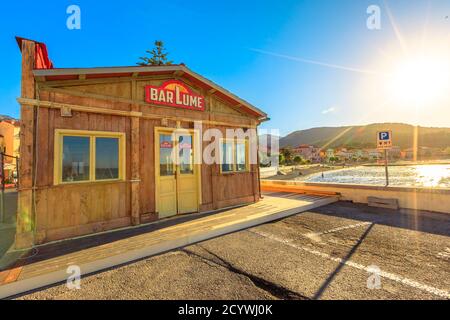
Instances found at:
x=234 y=143
x=92 y=135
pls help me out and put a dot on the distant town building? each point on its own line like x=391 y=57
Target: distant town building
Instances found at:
x=9 y=145
x=395 y=152
x=10 y=131
x=421 y=153
x=344 y=154
x=330 y=153
x=307 y=152
x=361 y=154
x=375 y=154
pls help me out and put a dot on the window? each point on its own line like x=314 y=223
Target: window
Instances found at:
x=166 y=164
x=75 y=159
x=227 y=156
x=241 y=156
x=234 y=156
x=84 y=156
x=106 y=158
x=186 y=154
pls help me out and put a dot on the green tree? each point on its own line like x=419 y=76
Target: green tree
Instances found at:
x=158 y=56
x=281 y=158
x=298 y=160
x=287 y=154
x=333 y=159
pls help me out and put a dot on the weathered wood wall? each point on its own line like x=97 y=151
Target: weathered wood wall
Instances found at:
x=78 y=208
x=71 y=210
x=25 y=213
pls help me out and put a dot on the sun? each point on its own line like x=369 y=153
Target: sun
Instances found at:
x=420 y=80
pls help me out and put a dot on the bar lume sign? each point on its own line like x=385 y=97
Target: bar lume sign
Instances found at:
x=176 y=94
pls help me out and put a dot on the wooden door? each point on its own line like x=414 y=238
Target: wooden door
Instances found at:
x=177 y=176
x=187 y=189
x=166 y=175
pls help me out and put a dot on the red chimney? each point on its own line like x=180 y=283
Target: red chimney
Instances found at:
x=42 y=60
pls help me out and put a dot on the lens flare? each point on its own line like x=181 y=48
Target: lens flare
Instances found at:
x=420 y=80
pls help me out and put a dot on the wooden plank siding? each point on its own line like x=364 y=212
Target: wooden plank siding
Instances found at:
x=65 y=211
x=71 y=210
x=25 y=213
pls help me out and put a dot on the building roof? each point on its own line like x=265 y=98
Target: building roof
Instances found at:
x=304 y=146
x=181 y=70
x=11 y=121
x=52 y=74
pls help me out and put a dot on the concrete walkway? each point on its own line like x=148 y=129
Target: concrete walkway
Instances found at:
x=48 y=264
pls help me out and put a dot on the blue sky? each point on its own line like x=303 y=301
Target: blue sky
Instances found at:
x=256 y=49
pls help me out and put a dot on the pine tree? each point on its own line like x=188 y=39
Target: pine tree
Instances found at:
x=158 y=56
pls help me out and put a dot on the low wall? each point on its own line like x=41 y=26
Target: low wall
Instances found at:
x=268 y=172
x=437 y=200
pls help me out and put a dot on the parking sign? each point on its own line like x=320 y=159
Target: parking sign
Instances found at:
x=384 y=139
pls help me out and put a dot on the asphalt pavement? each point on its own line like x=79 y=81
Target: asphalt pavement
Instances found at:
x=339 y=251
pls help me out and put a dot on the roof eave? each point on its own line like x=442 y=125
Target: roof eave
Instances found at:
x=262 y=116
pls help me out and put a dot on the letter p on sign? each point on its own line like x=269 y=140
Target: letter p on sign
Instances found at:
x=384 y=139
x=384 y=136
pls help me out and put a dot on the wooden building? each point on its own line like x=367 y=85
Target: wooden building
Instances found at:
x=95 y=147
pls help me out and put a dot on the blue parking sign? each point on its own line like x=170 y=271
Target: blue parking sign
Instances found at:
x=384 y=139
x=384 y=136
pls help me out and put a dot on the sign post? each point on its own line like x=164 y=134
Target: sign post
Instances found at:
x=384 y=142
x=386 y=166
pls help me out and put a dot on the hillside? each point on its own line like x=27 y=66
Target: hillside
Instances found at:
x=365 y=136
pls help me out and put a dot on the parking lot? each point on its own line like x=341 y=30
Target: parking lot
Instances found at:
x=339 y=251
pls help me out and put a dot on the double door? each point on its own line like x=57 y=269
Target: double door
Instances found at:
x=177 y=175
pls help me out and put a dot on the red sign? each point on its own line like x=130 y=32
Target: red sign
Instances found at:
x=176 y=94
x=185 y=145
x=166 y=145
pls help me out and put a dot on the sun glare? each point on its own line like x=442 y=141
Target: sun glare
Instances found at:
x=420 y=81
x=432 y=176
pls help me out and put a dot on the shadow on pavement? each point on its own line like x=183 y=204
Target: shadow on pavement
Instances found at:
x=330 y=278
x=429 y=222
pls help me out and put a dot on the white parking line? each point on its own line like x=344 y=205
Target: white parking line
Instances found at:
x=387 y=275
x=318 y=234
x=445 y=254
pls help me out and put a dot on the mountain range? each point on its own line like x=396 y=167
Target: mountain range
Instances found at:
x=365 y=136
